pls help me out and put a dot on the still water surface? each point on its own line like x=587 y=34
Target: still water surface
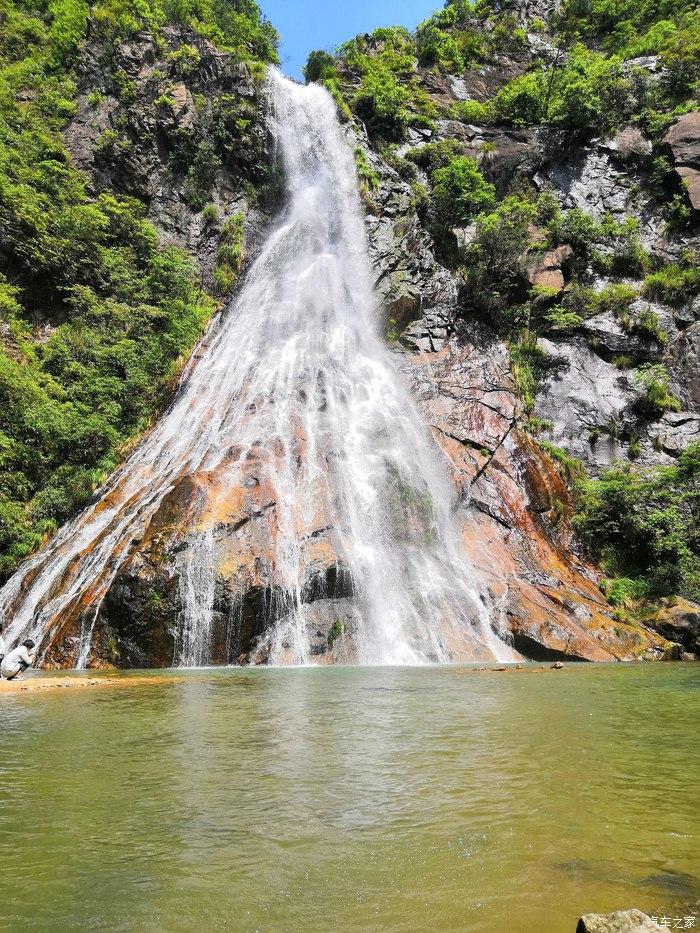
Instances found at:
x=353 y=799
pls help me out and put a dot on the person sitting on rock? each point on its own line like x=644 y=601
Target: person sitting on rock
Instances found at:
x=3 y=647
x=18 y=660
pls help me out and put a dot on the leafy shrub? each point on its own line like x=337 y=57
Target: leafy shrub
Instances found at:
x=680 y=55
x=647 y=324
x=202 y=174
x=494 y=264
x=446 y=41
x=570 y=468
x=368 y=178
x=186 y=59
x=336 y=631
x=587 y=92
x=610 y=246
x=211 y=213
x=459 y=190
x=582 y=302
x=619 y=25
x=230 y=254
x=333 y=88
x=236 y=27
x=522 y=102
x=617 y=298
x=678 y=214
x=471 y=111
x=389 y=97
x=562 y=319
x=624 y=592
x=575 y=227
x=645 y=526
x=528 y=361
x=506 y=35
x=319 y=66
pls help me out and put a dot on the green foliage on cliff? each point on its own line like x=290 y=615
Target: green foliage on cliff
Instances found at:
x=494 y=267
x=464 y=35
x=590 y=89
x=641 y=27
x=229 y=257
x=448 y=40
x=673 y=283
x=655 y=397
x=458 y=189
x=390 y=96
x=495 y=263
x=644 y=525
x=95 y=315
x=319 y=66
x=70 y=403
x=587 y=88
x=233 y=25
x=587 y=91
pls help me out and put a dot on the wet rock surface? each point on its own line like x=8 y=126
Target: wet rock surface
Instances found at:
x=510 y=495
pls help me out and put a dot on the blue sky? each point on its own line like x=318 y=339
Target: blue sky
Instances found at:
x=323 y=24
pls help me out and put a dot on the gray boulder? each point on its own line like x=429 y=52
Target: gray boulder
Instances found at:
x=620 y=921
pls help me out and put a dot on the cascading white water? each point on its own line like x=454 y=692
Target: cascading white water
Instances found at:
x=295 y=364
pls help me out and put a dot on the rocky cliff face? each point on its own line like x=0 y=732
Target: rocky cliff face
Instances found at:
x=513 y=503
x=146 y=119
x=590 y=387
x=587 y=400
x=516 y=527
x=179 y=125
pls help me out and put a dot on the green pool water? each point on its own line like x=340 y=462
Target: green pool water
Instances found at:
x=352 y=799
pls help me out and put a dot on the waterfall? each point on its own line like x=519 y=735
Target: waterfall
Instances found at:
x=295 y=365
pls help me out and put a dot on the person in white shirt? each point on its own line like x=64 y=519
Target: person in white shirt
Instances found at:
x=18 y=660
x=3 y=647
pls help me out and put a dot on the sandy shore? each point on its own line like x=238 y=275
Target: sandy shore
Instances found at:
x=63 y=682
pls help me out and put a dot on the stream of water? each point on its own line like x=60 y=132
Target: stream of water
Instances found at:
x=296 y=366
x=364 y=799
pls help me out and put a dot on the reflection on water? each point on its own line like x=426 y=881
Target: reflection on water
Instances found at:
x=398 y=799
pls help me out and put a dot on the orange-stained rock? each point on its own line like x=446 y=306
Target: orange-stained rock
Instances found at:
x=547 y=269
x=511 y=502
x=516 y=532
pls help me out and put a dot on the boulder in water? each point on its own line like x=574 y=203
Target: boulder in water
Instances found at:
x=620 y=921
